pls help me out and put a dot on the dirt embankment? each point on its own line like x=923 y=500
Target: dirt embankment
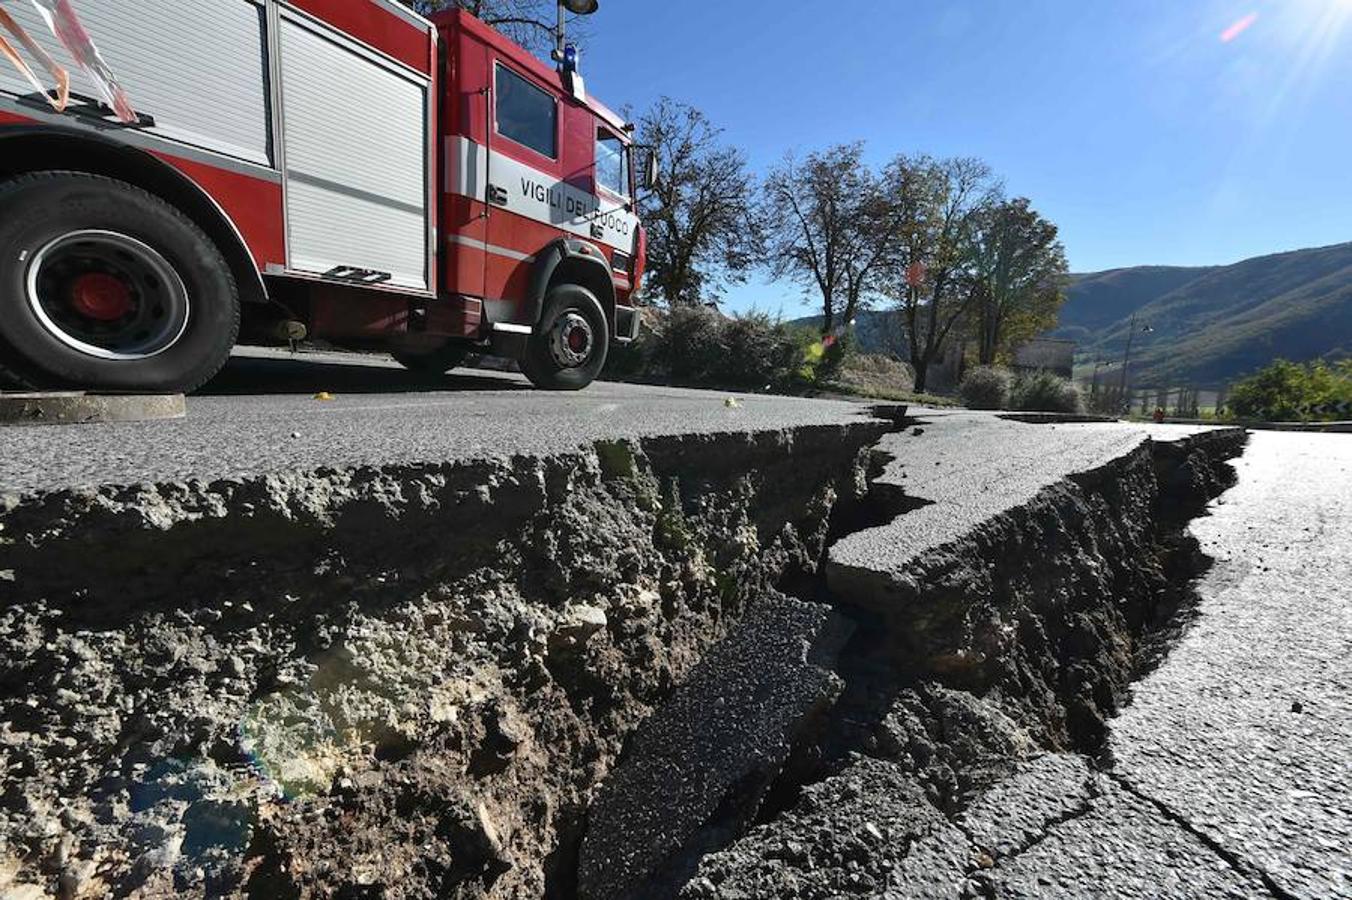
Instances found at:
x=397 y=682
x=618 y=673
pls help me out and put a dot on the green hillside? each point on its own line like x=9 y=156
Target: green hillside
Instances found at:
x=1211 y=325
x=1102 y=298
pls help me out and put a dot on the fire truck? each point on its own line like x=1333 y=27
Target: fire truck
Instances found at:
x=265 y=170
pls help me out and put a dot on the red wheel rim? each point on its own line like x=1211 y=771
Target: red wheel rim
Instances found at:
x=101 y=296
x=577 y=340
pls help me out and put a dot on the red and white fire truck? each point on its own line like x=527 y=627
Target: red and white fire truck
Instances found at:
x=345 y=168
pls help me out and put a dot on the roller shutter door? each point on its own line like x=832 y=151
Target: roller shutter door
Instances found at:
x=354 y=129
x=196 y=66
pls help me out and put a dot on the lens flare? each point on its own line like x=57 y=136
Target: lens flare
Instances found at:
x=1238 y=27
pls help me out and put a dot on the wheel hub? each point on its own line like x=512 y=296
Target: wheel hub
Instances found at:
x=101 y=296
x=107 y=295
x=571 y=340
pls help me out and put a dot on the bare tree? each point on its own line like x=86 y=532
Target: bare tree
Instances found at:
x=1020 y=276
x=528 y=22
x=930 y=276
x=830 y=226
x=702 y=225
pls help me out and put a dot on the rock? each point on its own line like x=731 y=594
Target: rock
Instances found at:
x=217 y=825
x=581 y=622
x=24 y=892
x=712 y=748
x=489 y=829
x=74 y=878
x=162 y=857
x=921 y=852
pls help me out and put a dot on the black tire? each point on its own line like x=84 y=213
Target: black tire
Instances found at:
x=548 y=364
x=434 y=362
x=178 y=303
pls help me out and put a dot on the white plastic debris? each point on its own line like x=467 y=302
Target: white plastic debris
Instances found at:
x=35 y=50
x=65 y=24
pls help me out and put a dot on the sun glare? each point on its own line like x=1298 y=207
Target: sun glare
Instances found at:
x=1302 y=36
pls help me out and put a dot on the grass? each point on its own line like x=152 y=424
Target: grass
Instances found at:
x=892 y=395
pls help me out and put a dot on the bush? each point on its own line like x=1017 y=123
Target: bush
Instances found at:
x=698 y=345
x=1286 y=391
x=985 y=387
x=758 y=352
x=1045 y=392
x=688 y=346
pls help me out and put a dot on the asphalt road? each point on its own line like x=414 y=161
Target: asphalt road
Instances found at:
x=260 y=416
x=1245 y=732
x=1231 y=769
x=967 y=467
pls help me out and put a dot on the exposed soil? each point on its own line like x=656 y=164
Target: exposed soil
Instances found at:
x=398 y=682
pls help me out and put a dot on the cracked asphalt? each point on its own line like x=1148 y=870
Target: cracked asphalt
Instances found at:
x=260 y=416
x=969 y=467
x=1230 y=773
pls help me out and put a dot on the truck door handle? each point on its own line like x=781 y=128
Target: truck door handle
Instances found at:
x=497 y=195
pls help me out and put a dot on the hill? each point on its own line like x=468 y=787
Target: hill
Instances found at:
x=1103 y=298
x=875 y=330
x=1208 y=325
x=1211 y=325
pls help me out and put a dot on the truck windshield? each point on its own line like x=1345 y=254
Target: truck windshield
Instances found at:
x=612 y=163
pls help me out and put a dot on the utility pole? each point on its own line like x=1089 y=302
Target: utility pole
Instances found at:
x=560 y=35
x=1126 y=357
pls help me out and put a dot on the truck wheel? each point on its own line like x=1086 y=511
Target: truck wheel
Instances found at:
x=434 y=362
x=568 y=350
x=104 y=286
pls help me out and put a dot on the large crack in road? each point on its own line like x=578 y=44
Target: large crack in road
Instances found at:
x=996 y=620
x=868 y=659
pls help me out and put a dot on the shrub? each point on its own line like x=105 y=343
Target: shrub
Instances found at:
x=985 y=387
x=1045 y=392
x=699 y=345
x=688 y=346
x=758 y=352
x=1286 y=390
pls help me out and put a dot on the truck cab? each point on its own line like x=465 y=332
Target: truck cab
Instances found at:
x=539 y=191
x=364 y=175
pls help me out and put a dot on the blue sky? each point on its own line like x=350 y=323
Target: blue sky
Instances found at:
x=1132 y=124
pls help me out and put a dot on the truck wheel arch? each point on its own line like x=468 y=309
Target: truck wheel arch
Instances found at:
x=566 y=262
x=49 y=148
